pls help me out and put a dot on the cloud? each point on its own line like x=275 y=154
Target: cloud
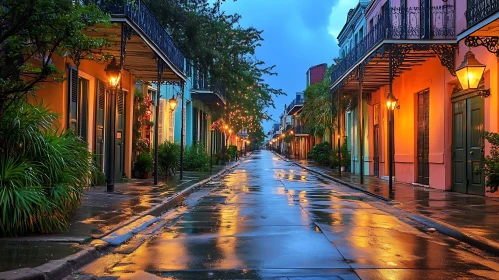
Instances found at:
x=298 y=34
x=338 y=16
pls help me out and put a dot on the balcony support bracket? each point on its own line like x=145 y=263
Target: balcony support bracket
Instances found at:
x=126 y=34
x=489 y=42
x=446 y=54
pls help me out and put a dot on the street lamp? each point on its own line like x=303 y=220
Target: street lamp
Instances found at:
x=113 y=72
x=470 y=72
x=173 y=103
x=391 y=104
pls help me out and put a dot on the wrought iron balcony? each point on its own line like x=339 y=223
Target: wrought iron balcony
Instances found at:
x=401 y=24
x=210 y=92
x=295 y=104
x=478 y=10
x=137 y=12
x=299 y=129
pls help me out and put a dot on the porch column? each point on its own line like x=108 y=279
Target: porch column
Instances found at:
x=182 y=134
x=161 y=66
x=361 y=124
x=338 y=119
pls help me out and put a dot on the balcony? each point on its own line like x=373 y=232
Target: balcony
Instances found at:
x=147 y=40
x=482 y=24
x=479 y=10
x=301 y=130
x=208 y=92
x=399 y=26
x=294 y=106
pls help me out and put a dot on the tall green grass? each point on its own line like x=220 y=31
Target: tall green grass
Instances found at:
x=42 y=171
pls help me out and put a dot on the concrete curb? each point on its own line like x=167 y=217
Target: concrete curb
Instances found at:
x=444 y=228
x=58 y=269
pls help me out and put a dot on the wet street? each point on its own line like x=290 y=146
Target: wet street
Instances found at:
x=271 y=219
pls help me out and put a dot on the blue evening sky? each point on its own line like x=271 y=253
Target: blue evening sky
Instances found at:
x=298 y=34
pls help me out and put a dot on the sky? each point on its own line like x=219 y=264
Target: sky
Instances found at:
x=297 y=34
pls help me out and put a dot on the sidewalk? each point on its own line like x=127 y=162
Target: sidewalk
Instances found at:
x=469 y=218
x=100 y=213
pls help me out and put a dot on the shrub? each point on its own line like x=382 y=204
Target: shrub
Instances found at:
x=169 y=157
x=345 y=156
x=98 y=178
x=42 y=171
x=320 y=153
x=144 y=163
x=490 y=166
x=232 y=152
x=196 y=158
x=221 y=157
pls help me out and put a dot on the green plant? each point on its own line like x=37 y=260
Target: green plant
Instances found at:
x=196 y=158
x=98 y=178
x=221 y=157
x=490 y=166
x=345 y=156
x=42 y=171
x=320 y=153
x=334 y=160
x=232 y=152
x=144 y=163
x=169 y=157
x=288 y=138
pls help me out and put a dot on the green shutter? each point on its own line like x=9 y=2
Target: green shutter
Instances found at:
x=73 y=99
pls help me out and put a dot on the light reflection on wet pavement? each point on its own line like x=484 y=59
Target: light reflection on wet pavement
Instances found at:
x=271 y=219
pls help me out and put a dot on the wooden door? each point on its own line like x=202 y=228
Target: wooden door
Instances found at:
x=119 y=166
x=467 y=146
x=99 y=124
x=423 y=141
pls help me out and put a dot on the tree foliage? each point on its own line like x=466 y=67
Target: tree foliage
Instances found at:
x=318 y=111
x=31 y=32
x=217 y=44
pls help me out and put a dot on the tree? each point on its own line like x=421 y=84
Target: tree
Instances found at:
x=318 y=111
x=216 y=44
x=31 y=32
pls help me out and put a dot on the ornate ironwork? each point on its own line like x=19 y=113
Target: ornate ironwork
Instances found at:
x=138 y=13
x=368 y=98
x=478 y=10
x=400 y=24
x=126 y=34
x=490 y=42
x=481 y=91
x=446 y=54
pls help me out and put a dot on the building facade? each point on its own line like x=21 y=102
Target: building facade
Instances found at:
x=409 y=54
x=103 y=115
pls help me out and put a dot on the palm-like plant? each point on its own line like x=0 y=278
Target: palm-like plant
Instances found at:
x=318 y=112
x=42 y=171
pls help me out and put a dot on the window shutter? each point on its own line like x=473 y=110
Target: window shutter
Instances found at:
x=73 y=99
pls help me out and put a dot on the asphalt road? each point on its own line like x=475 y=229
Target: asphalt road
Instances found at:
x=271 y=219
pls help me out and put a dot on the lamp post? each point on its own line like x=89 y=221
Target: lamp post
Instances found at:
x=391 y=104
x=113 y=71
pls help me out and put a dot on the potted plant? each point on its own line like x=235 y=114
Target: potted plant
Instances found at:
x=143 y=165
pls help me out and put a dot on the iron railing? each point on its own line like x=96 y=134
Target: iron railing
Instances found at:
x=295 y=102
x=478 y=10
x=299 y=129
x=138 y=12
x=202 y=81
x=401 y=24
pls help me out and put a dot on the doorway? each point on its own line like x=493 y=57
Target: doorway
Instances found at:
x=467 y=145
x=376 y=140
x=423 y=141
x=120 y=134
x=99 y=124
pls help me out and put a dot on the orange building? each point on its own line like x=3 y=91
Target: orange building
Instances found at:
x=409 y=54
x=103 y=114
